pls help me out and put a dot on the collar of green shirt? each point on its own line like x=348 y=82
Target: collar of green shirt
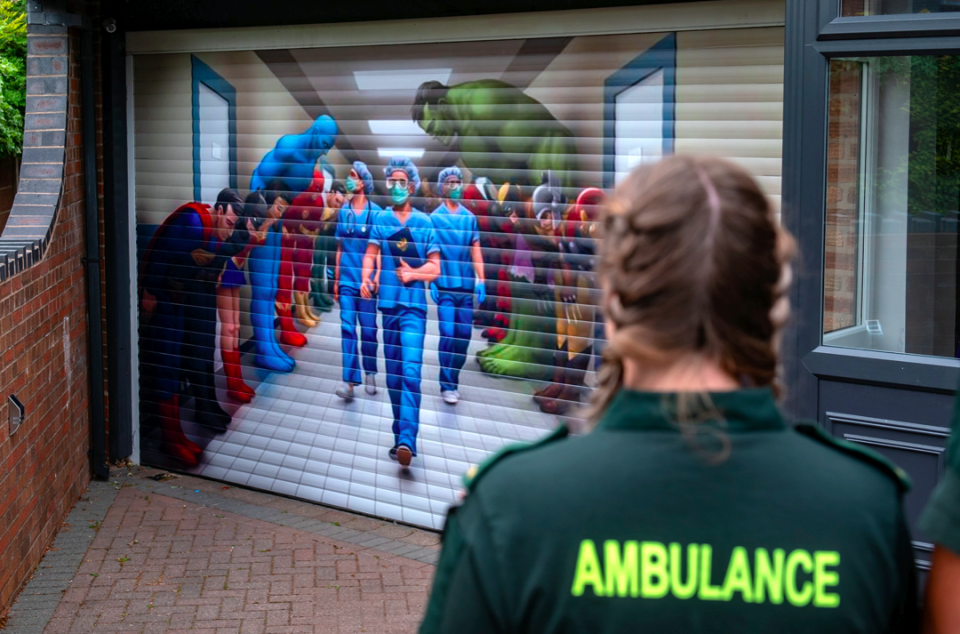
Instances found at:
x=740 y=410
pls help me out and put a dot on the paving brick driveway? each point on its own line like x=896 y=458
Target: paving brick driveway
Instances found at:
x=162 y=564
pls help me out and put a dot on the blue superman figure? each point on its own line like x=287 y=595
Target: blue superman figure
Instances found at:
x=292 y=161
x=286 y=170
x=410 y=261
x=461 y=276
x=263 y=264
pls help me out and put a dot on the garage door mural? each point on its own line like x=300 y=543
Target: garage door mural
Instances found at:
x=363 y=269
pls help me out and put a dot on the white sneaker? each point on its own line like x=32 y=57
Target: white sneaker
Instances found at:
x=450 y=397
x=371 y=384
x=345 y=391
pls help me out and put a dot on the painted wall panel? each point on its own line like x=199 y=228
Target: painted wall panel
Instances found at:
x=460 y=370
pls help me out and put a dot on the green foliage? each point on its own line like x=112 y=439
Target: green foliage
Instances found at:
x=13 y=74
x=934 y=175
x=929 y=165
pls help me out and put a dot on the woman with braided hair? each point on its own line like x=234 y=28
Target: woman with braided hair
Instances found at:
x=691 y=505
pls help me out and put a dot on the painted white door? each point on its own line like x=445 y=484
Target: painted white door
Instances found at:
x=214 y=144
x=639 y=124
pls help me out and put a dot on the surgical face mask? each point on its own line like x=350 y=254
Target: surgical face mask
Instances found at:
x=455 y=193
x=399 y=195
x=351 y=185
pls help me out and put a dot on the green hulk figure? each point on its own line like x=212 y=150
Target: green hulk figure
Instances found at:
x=501 y=132
x=507 y=136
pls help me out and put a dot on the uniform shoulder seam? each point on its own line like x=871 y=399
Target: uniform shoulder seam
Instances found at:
x=476 y=472
x=813 y=431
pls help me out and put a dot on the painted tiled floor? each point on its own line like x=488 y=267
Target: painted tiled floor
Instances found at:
x=298 y=439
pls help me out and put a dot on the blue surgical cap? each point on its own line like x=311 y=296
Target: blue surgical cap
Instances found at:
x=405 y=165
x=447 y=173
x=365 y=176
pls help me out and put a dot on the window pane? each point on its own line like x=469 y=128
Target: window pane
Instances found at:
x=841 y=254
x=850 y=8
x=892 y=201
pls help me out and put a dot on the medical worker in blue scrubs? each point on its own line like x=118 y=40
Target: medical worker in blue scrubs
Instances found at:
x=355 y=223
x=461 y=276
x=410 y=261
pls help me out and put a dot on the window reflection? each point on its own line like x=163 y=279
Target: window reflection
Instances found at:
x=851 y=8
x=892 y=201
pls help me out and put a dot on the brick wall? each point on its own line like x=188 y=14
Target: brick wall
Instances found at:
x=44 y=466
x=843 y=157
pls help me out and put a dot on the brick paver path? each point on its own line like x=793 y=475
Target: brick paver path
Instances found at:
x=159 y=564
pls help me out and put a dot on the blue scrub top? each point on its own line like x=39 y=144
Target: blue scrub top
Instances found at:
x=392 y=292
x=456 y=231
x=353 y=232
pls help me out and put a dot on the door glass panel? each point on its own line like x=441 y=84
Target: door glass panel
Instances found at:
x=851 y=8
x=639 y=124
x=214 y=115
x=892 y=201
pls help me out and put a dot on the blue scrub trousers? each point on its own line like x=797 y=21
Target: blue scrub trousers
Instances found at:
x=455 y=314
x=354 y=308
x=404 y=329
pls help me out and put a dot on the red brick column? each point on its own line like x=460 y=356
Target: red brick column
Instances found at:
x=43 y=316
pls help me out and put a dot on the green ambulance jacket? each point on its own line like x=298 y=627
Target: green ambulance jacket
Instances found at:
x=632 y=528
x=941 y=518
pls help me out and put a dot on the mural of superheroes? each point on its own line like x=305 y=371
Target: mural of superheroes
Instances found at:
x=357 y=323
x=513 y=260
x=379 y=268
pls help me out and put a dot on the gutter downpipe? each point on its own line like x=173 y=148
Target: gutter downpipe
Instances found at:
x=95 y=324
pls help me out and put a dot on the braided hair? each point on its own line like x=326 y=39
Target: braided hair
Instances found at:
x=692 y=261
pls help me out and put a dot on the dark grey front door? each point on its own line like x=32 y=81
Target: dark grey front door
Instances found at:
x=872 y=193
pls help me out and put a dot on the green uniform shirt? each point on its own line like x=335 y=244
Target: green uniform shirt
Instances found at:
x=632 y=528
x=941 y=518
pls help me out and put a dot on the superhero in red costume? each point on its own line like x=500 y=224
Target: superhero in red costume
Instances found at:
x=180 y=270
x=497 y=242
x=301 y=224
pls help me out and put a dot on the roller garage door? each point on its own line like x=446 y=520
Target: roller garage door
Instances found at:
x=261 y=361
